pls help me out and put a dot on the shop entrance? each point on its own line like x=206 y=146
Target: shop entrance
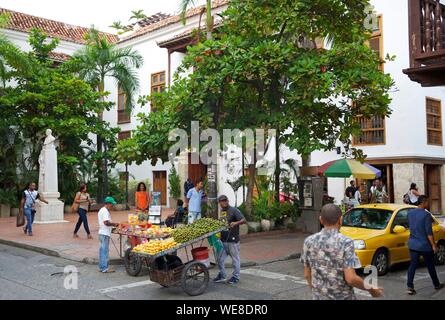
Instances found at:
x=386 y=178
x=432 y=187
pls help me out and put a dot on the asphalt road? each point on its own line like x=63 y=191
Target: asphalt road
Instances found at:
x=29 y=275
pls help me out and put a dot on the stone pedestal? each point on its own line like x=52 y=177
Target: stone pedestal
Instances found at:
x=48 y=185
x=51 y=212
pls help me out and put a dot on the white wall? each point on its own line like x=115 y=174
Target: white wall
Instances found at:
x=20 y=39
x=405 y=129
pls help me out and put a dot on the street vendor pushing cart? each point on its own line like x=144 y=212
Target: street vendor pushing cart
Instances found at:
x=230 y=241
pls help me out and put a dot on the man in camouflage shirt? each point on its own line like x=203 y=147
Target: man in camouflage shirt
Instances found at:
x=330 y=261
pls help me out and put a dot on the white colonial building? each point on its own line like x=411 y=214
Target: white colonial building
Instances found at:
x=407 y=147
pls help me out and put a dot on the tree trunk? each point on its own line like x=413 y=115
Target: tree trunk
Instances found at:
x=100 y=180
x=250 y=186
x=277 y=166
x=209 y=20
x=101 y=166
x=243 y=148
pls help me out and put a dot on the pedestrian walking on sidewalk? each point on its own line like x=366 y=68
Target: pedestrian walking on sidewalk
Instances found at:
x=83 y=200
x=105 y=226
x=330 y=261
x=230 y=240
x=193 y=201
x=421 y=243
x=28 y=205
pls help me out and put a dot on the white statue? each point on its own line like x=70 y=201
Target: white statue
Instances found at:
x=49 y=141
x=48 y=154
x=48 y=182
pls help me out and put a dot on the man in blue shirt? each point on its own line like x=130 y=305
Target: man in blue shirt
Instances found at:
x=421 y=243
x=193 y=202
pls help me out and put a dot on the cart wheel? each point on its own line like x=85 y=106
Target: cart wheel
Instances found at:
x=195 y=278
x=133 y=263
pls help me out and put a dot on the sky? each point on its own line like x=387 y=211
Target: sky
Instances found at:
x=101 y=13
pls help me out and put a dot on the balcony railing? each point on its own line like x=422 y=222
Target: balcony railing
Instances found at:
x=427 y=42
x=123 y=116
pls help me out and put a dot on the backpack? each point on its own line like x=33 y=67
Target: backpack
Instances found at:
x=406 y=198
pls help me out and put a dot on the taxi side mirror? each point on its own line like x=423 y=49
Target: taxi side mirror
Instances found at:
x=399 y=229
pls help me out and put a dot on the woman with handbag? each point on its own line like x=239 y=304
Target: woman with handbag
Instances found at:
x=28 y=205
x=80 y=205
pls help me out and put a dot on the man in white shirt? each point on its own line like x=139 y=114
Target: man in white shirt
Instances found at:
x=105 y=226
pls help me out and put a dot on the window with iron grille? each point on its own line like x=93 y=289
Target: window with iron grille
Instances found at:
x=376 y=41
x=123 y=135
x=123 y=116
x=434 y=121
x=373 y=131
x=157 y=84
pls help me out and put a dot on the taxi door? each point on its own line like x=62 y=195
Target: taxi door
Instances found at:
x=398 y=242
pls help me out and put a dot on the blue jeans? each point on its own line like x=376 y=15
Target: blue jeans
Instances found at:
x=428 y=257
x=82 y=219
x=193 y=216
x=230 y=249
x=29 y=219
x=104 y=252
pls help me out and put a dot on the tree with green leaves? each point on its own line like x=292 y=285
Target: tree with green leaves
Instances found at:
x=12 y=59
x=43 y=97
x=186 y=4
x=138 y=15
x=95 y=62
x=265 y=71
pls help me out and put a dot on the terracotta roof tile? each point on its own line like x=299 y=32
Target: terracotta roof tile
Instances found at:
x=24 y=22
x=185 y=35
x=59 y=56
x=172 y=20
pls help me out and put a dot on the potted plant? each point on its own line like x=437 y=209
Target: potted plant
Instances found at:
x=7 y=199
x=262 y=212
x=174 y=186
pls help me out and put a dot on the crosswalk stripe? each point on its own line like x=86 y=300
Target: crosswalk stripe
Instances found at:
x=273 y=275
x=285 y=277
x=126 y=286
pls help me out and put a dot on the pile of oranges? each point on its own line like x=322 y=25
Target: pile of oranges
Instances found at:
x=155 y=246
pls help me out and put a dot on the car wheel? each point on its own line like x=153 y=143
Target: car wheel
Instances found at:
x=381 y=262
x=440 y=255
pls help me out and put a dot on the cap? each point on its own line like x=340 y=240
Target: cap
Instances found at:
x=110 y=200
x=222 y=198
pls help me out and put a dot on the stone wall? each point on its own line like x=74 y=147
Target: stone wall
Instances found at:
x=403 y=175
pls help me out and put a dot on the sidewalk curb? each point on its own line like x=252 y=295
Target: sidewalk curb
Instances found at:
x=115 y=261
x=45 y=251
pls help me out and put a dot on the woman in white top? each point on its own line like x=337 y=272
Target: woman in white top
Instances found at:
x=414 y=194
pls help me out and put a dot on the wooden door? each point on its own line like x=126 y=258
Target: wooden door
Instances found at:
x=196 y=171
x=160 y=185
x=432 y=187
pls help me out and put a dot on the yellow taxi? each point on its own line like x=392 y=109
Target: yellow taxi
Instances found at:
x=381 y=232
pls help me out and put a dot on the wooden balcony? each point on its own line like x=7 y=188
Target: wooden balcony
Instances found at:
x=427 y=42
x=123 y=116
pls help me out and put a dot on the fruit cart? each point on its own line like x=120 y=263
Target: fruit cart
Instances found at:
x=128 y=239
x=167 y=269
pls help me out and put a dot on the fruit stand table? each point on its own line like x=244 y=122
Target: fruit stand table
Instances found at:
x=130 y=239
x=167 y=269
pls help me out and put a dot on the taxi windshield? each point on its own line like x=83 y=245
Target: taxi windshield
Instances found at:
x=367 y=218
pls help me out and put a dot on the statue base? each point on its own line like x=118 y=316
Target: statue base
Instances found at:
x=49 y=213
